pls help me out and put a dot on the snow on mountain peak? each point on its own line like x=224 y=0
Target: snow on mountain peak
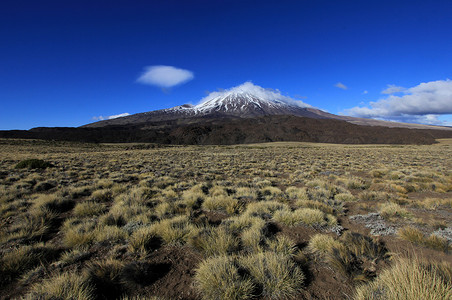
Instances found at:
x=250 y=91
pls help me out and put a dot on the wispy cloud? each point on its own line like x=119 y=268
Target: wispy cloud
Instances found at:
x=365 y=92
x=392 y=89
x=101 y=118
x=165 y=76
x=341 y=86
x=423 y=103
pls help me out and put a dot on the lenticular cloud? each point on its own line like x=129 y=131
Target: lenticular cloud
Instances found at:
x=165 y=76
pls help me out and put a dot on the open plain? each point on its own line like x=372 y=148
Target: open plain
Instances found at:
x=261 y=221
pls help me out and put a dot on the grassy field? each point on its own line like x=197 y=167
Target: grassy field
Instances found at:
x=261 y=221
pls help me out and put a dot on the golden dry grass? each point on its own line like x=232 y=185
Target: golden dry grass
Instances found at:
x=241 y=217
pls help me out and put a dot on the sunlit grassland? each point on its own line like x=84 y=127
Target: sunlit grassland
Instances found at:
x=94 y=222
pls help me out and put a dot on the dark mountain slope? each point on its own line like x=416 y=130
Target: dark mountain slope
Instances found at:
x=226 y=131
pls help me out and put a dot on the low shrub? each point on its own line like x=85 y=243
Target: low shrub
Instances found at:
x=33 y=163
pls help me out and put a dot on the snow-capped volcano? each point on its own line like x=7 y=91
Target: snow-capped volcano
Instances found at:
x=244 y=101
x=248 y=99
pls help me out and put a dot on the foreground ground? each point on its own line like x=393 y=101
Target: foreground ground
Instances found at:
x=264 y=221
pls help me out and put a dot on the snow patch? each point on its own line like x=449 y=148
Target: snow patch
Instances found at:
x=251 y=92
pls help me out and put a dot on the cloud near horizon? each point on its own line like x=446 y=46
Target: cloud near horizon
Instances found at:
x=341 y=86
x=165 y=76
x=101 y=118
x=423 y=103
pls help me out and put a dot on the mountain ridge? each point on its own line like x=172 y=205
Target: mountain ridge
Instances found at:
x=246 y=101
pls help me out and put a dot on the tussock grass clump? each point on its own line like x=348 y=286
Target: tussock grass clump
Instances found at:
x=124 y=212
x=246 y=194
x=219 y=278
x=315 y=205
x=265 y=209
x=376 y=196
x=434 y=203
x=348 y=254
x=144 y=240
x=33 y=226
x=105 y=278
x=344 y=197
x=275 y=274
x=239 y=223
x=103 y=195
x=175 y=231
x=391 y=210
x=411 y=234
x=222 y=203
x=302 y=216
x=78 y=232
x=74 y=255
x=271 y=193
x=17 y=261
x=356 y=183
x=110 y=233
x=322 y=244
x=416 y=236
x=253 y=238
x=363 y=246
x=68 y=285
x=53 y=202
x=215 y=241
x=88 y=209
x=33 y=163
x=410 y=279
x=193 y=197
x=282 y=245
x=297 y=193
x=134 y=196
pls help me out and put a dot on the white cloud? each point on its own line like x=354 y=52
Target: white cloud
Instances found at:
x=101 y=118
x=421 y=104
x=165 y=76
x=341 y=86
x=365 y=92
x=260 y=92
x=392 y=89
x=118 y=116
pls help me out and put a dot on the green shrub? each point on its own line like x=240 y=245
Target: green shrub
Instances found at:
x=33 y=163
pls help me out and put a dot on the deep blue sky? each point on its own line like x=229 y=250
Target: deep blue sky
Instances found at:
x=64 y=62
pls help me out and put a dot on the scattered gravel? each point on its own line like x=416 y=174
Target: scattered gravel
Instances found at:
x=375 y=222
x=337 y=230
x=445 y=233
x=132 y=227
